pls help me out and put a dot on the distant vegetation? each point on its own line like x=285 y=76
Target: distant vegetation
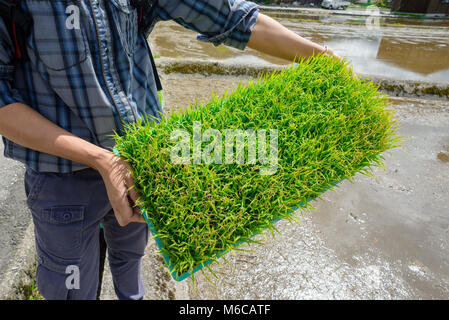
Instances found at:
x=380 y=3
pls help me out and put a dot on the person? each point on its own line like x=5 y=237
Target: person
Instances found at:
x=84 y=79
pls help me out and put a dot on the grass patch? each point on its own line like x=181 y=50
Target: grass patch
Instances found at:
x=331 y=125
x=409 y=14
x=27 y=290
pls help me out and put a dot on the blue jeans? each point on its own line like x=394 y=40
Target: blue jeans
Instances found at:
x=67 y=212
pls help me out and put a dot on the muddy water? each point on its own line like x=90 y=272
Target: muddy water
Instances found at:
x=418 y=50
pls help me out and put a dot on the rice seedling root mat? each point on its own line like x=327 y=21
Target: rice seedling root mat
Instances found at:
x=213 y=176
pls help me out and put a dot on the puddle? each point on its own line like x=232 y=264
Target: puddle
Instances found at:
x=393 y=50
x=443 y=157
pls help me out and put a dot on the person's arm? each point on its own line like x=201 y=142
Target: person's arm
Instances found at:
x=271 y=37
x=25 y=126
x=239 y=24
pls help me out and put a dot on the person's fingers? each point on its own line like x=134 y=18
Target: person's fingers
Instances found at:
x=129 y=182
x=122 y=220
x=129 y=212
x=124 y=211
x=137 y=216
x=132 y=193
x=128 y=215
x=128 y=178
x=137 y=211
x=338 y=57
x=132 y=198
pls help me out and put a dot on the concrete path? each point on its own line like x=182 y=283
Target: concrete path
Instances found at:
x=16 y=238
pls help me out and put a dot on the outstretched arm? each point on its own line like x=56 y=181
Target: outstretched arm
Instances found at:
x=238 y=24
x=270 y=37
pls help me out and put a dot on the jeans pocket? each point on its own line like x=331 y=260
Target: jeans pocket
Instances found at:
x=59 y=230
x=33 y=185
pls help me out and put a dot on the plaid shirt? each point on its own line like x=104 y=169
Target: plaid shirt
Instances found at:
x=92 y=78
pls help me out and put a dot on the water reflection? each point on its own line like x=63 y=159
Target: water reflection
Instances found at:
x=409 y=56
x=402 y=52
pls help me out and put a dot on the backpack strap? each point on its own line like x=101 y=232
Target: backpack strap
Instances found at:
x=18 y=24
x=156 y=75
x=146 y=7
x=143 y=7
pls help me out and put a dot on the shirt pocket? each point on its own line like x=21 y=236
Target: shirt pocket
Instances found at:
x=124 y=20
x=57 y=38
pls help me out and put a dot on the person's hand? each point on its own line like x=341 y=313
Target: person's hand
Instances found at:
x=333 y=54
x=116 y=174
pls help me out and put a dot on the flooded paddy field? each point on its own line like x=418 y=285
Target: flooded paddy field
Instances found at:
x=408 y=49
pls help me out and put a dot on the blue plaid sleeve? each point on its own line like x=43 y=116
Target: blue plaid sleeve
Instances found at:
x=8 y=95
x=228 y=22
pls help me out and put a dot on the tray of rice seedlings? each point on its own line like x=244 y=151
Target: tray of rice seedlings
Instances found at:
x=214 y=175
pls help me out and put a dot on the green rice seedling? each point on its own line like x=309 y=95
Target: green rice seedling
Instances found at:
x=314 y=123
